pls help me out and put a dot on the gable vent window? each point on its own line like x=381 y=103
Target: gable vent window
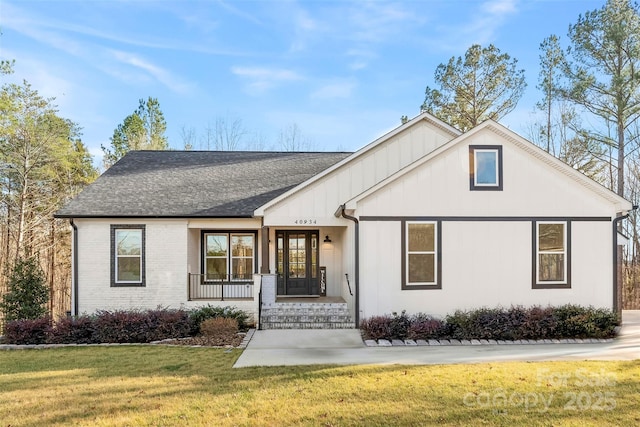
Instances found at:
x=485 y=167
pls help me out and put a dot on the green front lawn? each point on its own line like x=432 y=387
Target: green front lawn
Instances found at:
x=169 y=386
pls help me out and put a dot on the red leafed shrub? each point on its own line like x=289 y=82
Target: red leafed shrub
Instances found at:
x=140 y=326
x=424 y=327
x=376 y=328
x=27 y=331
x=72 y=330
x=515 y=323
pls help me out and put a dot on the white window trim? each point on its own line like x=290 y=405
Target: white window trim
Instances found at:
x=434 y=252
x=229 y=257
x=496 y=158
x=564 y=252
x=115 y=229
x=206 y=257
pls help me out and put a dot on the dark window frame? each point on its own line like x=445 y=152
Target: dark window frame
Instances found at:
x=229 y=233
x=472 y=178
x=537 y=284
x=438 y=261
x=143 y=252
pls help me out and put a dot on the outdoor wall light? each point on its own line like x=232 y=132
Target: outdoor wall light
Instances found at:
x=327 y=239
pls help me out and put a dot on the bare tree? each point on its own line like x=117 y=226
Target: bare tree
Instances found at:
x=188 y=136
x=291 y=138
x=229 y=132
x=257 y=142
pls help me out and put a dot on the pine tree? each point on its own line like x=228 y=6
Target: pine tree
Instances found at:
x=485 y=84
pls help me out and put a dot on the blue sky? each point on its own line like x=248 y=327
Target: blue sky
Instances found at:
x=344 y=72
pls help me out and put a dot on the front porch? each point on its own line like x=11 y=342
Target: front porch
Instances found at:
x=303 y=280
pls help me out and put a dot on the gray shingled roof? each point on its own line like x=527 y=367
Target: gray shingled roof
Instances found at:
x=195 y=183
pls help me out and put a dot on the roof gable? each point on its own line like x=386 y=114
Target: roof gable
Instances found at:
x=195 y=183
x=528 y=147
x=427 y=118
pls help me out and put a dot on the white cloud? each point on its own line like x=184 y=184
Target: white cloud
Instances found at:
x=498 y=8
x=360 y=58
x=481 y=26
x=237 y=12
x=375 y=22
x=261 y=79
x=159 y=74
x=305 y=28
x=339 y=89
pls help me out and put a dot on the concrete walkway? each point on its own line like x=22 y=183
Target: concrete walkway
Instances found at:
x=345 y=347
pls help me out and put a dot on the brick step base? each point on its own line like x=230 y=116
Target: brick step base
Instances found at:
x=306 y=316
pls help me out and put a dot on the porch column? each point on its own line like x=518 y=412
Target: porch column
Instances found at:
x=264 y=267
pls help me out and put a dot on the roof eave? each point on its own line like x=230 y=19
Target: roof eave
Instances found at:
x=81 y=216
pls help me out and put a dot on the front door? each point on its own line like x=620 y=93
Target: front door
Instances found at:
x=297 y=262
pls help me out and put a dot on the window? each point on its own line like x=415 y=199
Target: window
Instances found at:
x=485 y=167
x=229 y=256
x=127 y=255
x=552 y=256
x=421 y=255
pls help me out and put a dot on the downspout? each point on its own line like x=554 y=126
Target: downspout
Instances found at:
x=357 y=263
x=615 y=225
x=75 y=268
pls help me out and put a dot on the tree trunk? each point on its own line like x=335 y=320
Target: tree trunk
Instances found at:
x=22 y=208
x=621 y=159
x=52 y=265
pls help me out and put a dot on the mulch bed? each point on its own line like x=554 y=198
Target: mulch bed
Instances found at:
x=209 y=341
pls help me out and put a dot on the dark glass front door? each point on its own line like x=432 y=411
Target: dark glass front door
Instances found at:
x=297 y=262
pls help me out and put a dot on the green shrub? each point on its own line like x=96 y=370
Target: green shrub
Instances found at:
x=457 y=325
x=27 y=294
x=399 y=325
x=604 y=323
x=579 y=322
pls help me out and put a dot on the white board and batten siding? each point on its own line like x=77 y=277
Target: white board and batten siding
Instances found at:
x=318 y=199
x=487 y=246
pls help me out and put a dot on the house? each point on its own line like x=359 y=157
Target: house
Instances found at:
x=423 y=219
